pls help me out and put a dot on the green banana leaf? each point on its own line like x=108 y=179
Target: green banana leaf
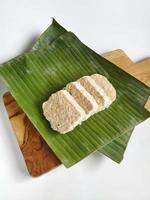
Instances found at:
x=32 y=77
x=116 y=149
x=50 y=35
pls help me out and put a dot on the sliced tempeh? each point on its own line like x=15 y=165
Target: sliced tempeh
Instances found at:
x=96 y=91
x=79 y=100
x=83 y=98
x=63 y=112
x=103 y=82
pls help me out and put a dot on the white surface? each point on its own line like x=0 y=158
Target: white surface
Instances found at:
x=103 y=25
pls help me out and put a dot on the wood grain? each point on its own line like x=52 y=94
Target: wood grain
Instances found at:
x=38 y=156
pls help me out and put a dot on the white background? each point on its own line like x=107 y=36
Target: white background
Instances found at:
x=103 y=25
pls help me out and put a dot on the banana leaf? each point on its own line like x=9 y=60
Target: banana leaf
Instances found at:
x=32 y=77
x=116 y=149
x=51 y=34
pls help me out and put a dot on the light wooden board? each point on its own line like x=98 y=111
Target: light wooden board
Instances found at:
x=38 y=156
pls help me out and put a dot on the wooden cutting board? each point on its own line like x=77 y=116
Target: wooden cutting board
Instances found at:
x=38 y=156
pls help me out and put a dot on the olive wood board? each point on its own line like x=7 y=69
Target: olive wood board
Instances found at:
x=38 y=157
